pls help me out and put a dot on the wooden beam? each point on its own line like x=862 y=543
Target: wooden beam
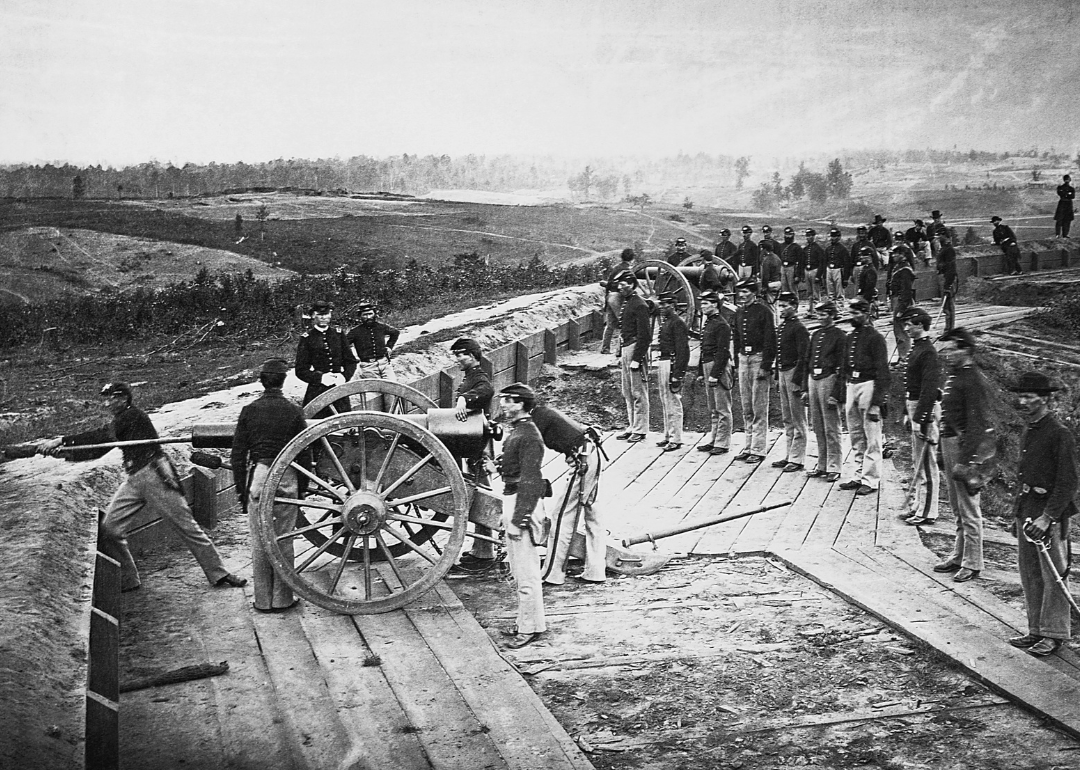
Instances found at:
x=446 y=389
x=521 y=362
x=551 y=343
x=573 y=335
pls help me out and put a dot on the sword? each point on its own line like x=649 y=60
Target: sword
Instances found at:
x=1044 y=556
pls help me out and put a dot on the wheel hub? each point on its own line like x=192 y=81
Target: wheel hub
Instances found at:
x=363 y=513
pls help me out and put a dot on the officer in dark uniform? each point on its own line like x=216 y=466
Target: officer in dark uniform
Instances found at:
x=747 y=255
x=825 y=393
x=1064 y=213
x=814 y=258
x=725 y=249
x=837 y=267
x=1005 y=238
x=324 y=358
x=792 y=262
x=948 y=280
x=265 y=426
x=922 y=385
x=934 y=232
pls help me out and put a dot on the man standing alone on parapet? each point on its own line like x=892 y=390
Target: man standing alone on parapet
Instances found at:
x=636 y=335
x=792 y=361
x=716 y=371
x=967 y=446
x=1063 y=214
x=755 y=350
x=265 y=426
x=151 y=481
x=825 y=394
x=1047 y=481
x=613 y=300
x=922 y=384
x=866 y=378
x=674 y=343
x=372 y=342
x=324 y=358
x=1006 y=239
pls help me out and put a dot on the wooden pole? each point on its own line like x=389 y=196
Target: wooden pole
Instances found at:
x=678 y=530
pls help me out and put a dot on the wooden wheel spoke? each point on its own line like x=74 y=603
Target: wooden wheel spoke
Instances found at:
x=413 y=547
x=342 y=561
x=307 y=503
x=328 y=447
x=420 y=521
x=386 y=460
x=367 y=569
x=334 y=537
x=363 y=460
x=419 y=496
x=408 y=474
x=320 y=524
x=318 y=480
x=389 y=557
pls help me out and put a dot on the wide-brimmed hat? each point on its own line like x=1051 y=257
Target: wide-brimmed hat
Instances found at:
x=1034 y=382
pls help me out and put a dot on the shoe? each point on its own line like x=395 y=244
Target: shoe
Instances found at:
x=1025 y=641
x=946 y=566
x=753 y=459
x=467 y=559
x=672 y=447
x=865 y=489
x=741 y=456
x=635 y=437
x=792 y=467
x=605 y=351
x=719 y=450
x=623 y=436
x=131 y=588
x=815 y=474
x=662 y=444
x=581 y=579
x=918 y=521
x=231 y=581
x=780 y=464
x=1044 y=647
x=704 y=447
x=509 y=631
x=851 y=484
x=271 y=610
x=832 y=477
x=965 y=574
x=519 y=641
x=907 y=516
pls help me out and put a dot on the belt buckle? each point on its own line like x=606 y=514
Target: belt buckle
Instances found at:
x=855 y=375
x=748 y=349
x=818 y=371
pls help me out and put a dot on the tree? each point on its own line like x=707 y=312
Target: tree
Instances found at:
x=582 y=182
x=78 y=188
x=742 y=170
x=777 y=185
x=817 y=189
x=837 y=181
x=763 y=197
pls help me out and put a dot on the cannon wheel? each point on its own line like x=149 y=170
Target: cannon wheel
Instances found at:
x=656 y=276
x=361 y=394
x=364 y=511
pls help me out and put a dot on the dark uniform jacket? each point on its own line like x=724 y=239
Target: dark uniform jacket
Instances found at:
x=859 y=243
x=827 y=347
x=522 y=456
x=902 y=286
x=837 y=258
x=880 y=236
x=867 y=358
x=946 y=264
x=636 y=328
x=965 y=410
x=132 y=424
x=476 y=389
x=609 y=280
x=1047 y=474
x=1004 y=236
x=322 y=353
x=922 y=379
x=560 y=433
x=676 y=257
x=715 y=347
x=674 y=343
x=793 y=350
x=1066 y=194
x=265 y=426
x=755 y=333
x=868 y=283
x=936 y=230
x=725 y=250
x=792 y=255
x=373 y=341
x=770 y=270
x=747 y=253
x=913 y=236
x=814 y=256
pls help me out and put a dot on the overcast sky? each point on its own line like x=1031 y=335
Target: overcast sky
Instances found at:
x=119 y=82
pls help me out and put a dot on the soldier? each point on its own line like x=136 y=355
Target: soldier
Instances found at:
x=674 y=344
x=771 y=278
x=967 y=446
x=747 y=255
x=862 y=239
x=934 y=231
x=612 y=298
x=865 y=373
x=523 y=492
x=867 y=288
x=916 y=238
x=901 y=291
x=837 y=267
x=151 y=481
x=371 y=342
x=792 y=362
x=1063 y=214
x=815 y=270
x=1006 y=239
x=716 y=371
x=473 y=395
x=679 y=254
x=755 y=351
x=1047 y=480
x=324 y=359
x=265 y=426
x=922 y=414
x=581 y=448
x=725 y=249
x=636 y=337
x=767 y=237
x=792 y=262
x=948 y=280
x=716 y=275
x=879 y=236
x=825 y=393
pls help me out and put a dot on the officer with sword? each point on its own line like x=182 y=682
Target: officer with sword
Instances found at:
x=1046 y=498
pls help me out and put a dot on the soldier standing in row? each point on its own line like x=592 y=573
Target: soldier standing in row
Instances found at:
x=837 y=267
x=792 y=263
x=767 y=238
x=867 y=276
x=725 y=249
x=901 y=291
x=792 y=361
x=674 y=344
x=1044 y=503
x=815 y=270
x=613 y=299
x=771 y=273
x=755 y=350
x=716 y=371
x=636 y=337
x=825 y=393
x=967 y=446
x=948 y=280
x=371 y=342
x=677 y=256
x=1005 y=238
x=747 y=255
x=265 y=426
x=922 y=383
x=324 y=358
x=866 y=378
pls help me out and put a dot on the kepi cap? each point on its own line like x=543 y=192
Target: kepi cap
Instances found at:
x=747 y=229
x=321 y=306
x=519 y=392
x=861 y=304
x=725 y=231
x=667 y=298
x=810 y=231
x=466 y=345
x=274 y=366
x=788 y=296
x=789 y=231
x=116 y=389
x=828 y=306
x=834 y=233
x=709 y=296
x=747 y=284
x=916 y=314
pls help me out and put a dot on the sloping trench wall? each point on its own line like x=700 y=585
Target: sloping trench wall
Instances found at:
x=49 y=510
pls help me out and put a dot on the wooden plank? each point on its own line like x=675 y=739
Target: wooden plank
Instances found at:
x=573 y=335
x=761 y=528
x=551 y=343
x=810 y=515
x=446 y=390
x=102 y=720
x=199 y=489
x=521 y=362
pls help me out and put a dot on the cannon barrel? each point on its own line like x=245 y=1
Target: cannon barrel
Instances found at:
x=650 y=537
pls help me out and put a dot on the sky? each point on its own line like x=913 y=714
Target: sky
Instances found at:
x=120 y=82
